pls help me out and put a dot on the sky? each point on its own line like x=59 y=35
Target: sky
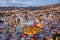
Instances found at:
x=25 y=3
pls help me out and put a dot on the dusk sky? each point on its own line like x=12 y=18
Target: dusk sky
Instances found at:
x=24 y=3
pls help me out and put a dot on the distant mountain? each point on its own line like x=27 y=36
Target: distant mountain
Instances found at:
x=42 y=7
x=9 y=8
x=30 y=8
x=33 y=8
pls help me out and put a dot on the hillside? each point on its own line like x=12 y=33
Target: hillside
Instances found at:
x=30 y=8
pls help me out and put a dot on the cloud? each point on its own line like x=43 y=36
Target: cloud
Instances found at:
x=39 y=2
x=26 y=2
x=10 y=3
